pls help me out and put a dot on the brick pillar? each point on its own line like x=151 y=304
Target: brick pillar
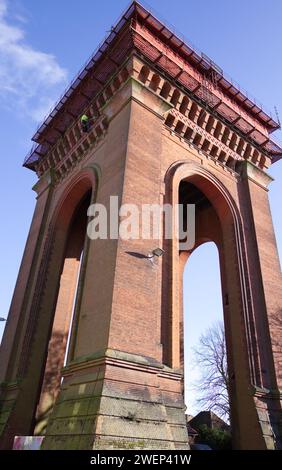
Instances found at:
x=116 y=392
x=16 y=414
x=265 y=278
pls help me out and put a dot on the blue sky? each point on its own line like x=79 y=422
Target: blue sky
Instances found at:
x=44 y=44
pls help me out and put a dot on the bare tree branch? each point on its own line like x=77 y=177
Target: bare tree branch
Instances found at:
x=213 y=384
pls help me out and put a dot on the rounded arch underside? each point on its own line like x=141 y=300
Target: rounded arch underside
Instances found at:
x=226 y=224
x=67 y=231
x=87 y=180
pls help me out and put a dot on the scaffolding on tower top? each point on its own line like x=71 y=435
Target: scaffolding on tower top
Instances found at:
x=138 y=29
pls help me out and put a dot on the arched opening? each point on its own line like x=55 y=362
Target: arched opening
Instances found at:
x=207 y=229
x=202 y=298
x=165 y=90
x=155 y=81
x=144 y=74
x=175 y=97
x=59 y=345
x=205 y=367
x=193 y=111
x=217 y=219
x=184 y=105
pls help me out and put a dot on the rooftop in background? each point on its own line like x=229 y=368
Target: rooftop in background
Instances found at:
x=69 y=107
x=210 y=419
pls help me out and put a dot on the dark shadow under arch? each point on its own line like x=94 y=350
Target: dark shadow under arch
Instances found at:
x=66 y=298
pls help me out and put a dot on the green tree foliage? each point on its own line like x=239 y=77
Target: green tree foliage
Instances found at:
x=216 y=438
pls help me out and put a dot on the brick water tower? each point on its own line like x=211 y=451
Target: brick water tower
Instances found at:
x=92 y=352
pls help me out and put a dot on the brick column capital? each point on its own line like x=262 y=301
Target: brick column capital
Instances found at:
x=43 y=183
x=255 y=174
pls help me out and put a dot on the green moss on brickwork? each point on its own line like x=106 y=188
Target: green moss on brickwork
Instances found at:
x=14 y=383
x=61 y=443
x=122 y=444
x=74 y=443
x=5 y=413
x=4 y=417
x=127 y=445
x=7 y=405
x=2 y=427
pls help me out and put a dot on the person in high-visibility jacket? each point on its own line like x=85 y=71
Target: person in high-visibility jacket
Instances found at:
x=85 y=123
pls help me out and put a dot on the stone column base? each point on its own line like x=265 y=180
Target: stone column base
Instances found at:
x=268 y=406
x=116 y=400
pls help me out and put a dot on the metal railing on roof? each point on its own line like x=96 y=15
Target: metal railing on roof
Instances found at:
x=161 y=21
x=94 y=57
x=108 y=39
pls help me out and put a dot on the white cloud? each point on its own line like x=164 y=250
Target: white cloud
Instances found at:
x=29 y=79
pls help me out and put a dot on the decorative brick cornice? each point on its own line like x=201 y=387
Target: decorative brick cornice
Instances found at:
x=176 y=65
x=72 y=147
x=255 y=174
x=46 y=180
x=184 y=116
x=200 y=126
